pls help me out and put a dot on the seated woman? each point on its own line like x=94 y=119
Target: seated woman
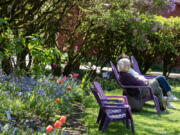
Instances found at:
x=127 y=79
x=162 y=82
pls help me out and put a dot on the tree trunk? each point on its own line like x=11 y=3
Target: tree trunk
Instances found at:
x=71 y=67
x=21 y=60
x=165 y=68
x=7 y=65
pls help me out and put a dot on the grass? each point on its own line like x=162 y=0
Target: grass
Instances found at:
x=146 y=122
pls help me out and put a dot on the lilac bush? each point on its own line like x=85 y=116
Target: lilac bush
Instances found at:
x=153 y=6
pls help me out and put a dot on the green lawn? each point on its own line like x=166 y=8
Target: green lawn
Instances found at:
x=146 y=122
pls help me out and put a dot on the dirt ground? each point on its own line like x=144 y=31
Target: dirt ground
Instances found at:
x=75 y=125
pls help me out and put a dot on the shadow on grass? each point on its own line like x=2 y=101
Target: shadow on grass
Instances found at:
x=114 y=128
x=148 y=109
x=146 y=122
x=90 y=117
x=147 y=128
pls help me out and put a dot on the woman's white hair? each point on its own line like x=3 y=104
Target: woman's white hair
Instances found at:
x=121 y=63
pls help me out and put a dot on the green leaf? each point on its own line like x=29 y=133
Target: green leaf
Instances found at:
x=32 y=96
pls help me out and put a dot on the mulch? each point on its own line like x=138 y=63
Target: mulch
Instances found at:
x=75 y=125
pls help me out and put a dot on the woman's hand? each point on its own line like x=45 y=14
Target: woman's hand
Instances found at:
x=147 y=82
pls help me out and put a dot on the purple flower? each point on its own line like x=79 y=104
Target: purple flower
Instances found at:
x=64 y=133
x=154 y=28
x=137 y=19
x=170 y=7
x=6 y=127
x=148 y=3
x=161 y=27
x=41 y=92
x=14 y=131
x=13 y=123
x=107 y=5
x=135 y=31
x=55 y=66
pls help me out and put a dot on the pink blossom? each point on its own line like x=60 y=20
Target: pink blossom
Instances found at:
x=64 y=48
x=76 y=48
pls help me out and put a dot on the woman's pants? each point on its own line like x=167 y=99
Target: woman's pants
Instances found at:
x=164 y=84
x=157 y=91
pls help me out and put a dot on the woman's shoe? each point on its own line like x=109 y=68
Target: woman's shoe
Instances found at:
x=172 y=98
x=170 y=106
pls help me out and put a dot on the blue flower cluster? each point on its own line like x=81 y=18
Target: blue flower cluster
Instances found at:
x=34 y=93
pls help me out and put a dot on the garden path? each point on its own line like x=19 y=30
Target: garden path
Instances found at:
x=75 y=125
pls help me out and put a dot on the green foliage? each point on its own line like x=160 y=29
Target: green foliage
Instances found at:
x=85 y=84
x=131 y=27
x=170 y=43
x=41 y=57
x=116 y=27
x=10 y=45
x=151 y=37
x=101 y=28
x=16 y=48
x=109 y=85
x=42 y=18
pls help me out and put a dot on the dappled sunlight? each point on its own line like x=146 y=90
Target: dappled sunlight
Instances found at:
x=146 y=122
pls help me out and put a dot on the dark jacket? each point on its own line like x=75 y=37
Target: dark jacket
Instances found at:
x=134 y=97
x=127 y=79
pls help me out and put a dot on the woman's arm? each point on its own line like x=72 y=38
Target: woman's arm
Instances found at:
x=128 y=79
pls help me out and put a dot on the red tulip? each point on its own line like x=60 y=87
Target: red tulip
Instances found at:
x=49 y=128
x=75 y=75
x=60 y=81
x=57 y=100
x=69 y=89
x=63 y=119
x=57 y=124
x=65 y=77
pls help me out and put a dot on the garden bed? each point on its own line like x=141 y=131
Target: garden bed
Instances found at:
x=29 y=105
